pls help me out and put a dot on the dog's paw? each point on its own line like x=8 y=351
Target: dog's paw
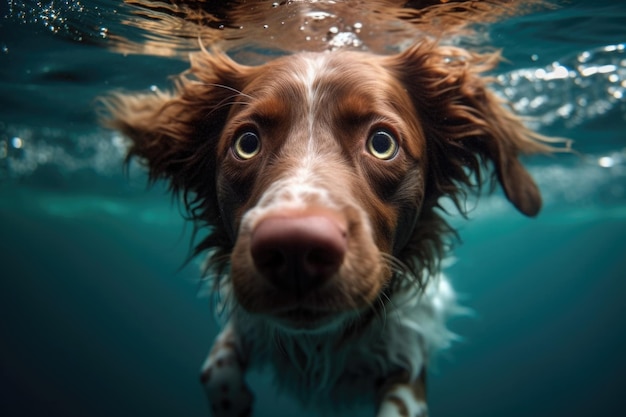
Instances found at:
x=225 y=387
x=401 y=401
x=395 y=407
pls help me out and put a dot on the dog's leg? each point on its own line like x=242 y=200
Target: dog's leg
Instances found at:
x=404 y=399
x=223 y=378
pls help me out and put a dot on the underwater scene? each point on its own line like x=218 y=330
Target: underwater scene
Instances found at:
x=101 y=315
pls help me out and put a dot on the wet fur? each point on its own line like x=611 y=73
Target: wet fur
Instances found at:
x=454 y=130
x=467 y=128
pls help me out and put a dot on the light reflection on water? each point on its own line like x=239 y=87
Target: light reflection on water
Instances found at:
x=571 y=91
x=173 y=28
x=566 y=93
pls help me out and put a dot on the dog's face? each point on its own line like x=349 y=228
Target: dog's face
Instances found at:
x=320 y=174
x=320 y=169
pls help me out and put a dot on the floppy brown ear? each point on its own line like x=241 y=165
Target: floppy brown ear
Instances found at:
x=466 y=125
x=501 y=138
x=175 y=134
x=507 y=138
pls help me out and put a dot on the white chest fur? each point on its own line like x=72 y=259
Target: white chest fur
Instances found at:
x=317 y=368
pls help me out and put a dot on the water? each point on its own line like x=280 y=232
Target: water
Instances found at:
x=100 y=319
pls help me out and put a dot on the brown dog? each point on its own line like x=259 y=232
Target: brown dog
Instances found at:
x=320 y=176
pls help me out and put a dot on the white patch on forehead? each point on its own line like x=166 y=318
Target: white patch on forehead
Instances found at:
x=313 y=66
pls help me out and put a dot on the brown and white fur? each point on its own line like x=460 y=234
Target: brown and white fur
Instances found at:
x=320 y=176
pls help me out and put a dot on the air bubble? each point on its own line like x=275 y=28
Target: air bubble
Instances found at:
x=616 y=93
x=606 y=162
x=584 y=57
x=318 y=16
x=17 y=142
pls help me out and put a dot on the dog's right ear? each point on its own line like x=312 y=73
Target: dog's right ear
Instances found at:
x=175 y=134
x=467 y=126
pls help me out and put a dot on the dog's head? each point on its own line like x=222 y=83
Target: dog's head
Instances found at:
x=321 y=174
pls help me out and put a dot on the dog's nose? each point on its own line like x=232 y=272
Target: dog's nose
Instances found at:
x=298 y=253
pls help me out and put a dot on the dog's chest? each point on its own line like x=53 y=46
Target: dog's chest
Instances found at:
x=316 y=368
x=332 y=370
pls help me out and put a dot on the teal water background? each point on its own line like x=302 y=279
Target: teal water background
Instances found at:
x=99 y=317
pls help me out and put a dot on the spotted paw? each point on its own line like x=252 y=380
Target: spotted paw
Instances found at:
x=225 y=387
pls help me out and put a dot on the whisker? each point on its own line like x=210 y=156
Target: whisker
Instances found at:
x=404 y=276
x=225 y=103
x=239 y=93
x=381 y=312
x=278 y=342
x=390 y=305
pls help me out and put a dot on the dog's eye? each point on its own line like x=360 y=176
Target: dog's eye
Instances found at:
x=382 y=144
x=247 y=145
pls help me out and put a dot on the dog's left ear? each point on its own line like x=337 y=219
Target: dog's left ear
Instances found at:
x=175 y=134
x=466 y=125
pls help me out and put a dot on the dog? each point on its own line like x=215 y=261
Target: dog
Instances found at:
x=320 y=176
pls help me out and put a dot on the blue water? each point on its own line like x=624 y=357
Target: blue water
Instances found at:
x=99 y=316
